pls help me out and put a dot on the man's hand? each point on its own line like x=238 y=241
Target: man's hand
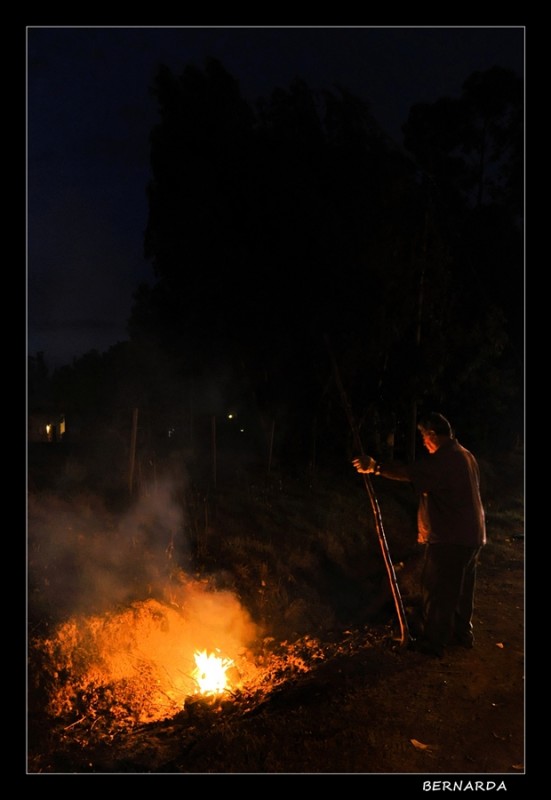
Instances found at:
x=364 y=464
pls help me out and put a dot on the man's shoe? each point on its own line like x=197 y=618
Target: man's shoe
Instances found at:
x=426 y=648
x=463 y=641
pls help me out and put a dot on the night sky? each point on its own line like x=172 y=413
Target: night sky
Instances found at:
x=90 y=113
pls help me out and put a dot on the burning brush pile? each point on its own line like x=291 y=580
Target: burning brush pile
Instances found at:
x=122 y=638
x=104 y=678
x=141 y=663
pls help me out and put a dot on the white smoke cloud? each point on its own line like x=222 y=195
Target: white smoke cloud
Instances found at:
x=81 y=556
x=125 y=612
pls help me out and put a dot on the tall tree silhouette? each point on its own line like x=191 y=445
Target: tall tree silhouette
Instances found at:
x=472 y=150
x=272 y=225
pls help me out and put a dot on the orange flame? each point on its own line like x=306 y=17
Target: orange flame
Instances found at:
x=210 y=673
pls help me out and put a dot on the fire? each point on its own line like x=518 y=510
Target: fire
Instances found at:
x=210 y=672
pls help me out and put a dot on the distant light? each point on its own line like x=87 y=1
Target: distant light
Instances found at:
x=171 y=432
x=230 y=416
x=48 y=429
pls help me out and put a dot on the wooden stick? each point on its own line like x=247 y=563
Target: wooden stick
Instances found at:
x=400 y=611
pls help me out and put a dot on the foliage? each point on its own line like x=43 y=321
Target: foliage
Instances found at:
x=274 y=225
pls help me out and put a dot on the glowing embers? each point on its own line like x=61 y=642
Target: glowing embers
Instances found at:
x=138 y=664
x=211 y=673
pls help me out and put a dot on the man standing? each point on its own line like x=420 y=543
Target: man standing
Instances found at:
x=451 y=524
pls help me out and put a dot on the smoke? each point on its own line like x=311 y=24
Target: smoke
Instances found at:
x=83 y=558
x=123 y=609
x=142 y=658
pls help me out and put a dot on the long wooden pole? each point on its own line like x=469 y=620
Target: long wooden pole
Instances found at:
x=397 y=597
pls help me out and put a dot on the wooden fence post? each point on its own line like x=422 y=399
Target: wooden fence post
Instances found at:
x=133 y=438
x=213 y=431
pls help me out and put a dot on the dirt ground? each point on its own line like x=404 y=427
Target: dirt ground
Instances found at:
x=367 y=706
x=363 y=705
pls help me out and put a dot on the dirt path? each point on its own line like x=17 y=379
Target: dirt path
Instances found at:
x=371 y=709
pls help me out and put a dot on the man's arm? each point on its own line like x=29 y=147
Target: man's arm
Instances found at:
x=395 y=472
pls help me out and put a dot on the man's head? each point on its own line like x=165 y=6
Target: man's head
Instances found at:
x=435 y=429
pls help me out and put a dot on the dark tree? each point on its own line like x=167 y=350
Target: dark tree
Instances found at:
x=38 y=382
x=272 y=226
x=472 y=152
